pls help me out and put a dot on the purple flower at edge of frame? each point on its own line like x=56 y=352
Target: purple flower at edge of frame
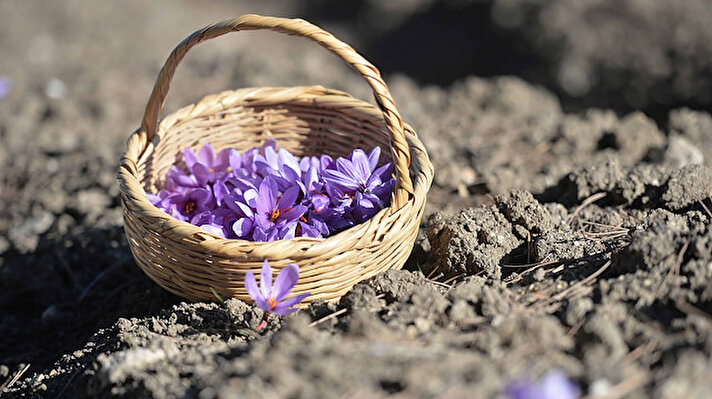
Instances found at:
x=5 y=86
x=554 y=385
x=271 y=298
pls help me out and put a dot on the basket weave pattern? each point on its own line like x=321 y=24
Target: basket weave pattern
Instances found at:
x=189 y=261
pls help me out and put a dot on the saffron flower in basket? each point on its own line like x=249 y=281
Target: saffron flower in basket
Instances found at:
x=554 y=385
x=266 y=194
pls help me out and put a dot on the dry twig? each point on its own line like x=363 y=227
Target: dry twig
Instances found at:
x=674 y=270
x=8 y=383
x=588 y=201
x=328 y=317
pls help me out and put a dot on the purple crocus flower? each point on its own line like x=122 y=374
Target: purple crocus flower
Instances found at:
x=554 y=385
x=210 y=222
x=177 y=180
x=267 y=194
x=271 y=298
x=276 y=215
x=358 y=179
x=187 y=205
x=206 y=166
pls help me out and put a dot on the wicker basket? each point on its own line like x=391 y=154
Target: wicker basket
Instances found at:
x=189 y=261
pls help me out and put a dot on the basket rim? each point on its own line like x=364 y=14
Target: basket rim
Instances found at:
x=253 y=96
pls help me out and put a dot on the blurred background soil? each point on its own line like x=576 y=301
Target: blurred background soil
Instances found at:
x=568 y=226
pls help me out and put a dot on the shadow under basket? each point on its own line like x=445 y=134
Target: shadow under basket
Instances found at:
x=190 y=262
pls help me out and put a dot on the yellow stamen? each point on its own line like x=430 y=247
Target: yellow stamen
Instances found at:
x=272 y=303
x=189 y=206
x=275 y=215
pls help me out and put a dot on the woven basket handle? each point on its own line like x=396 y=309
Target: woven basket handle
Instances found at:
x=296 y=27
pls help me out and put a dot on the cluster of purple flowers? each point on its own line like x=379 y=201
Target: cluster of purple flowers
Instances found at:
x=267 y=194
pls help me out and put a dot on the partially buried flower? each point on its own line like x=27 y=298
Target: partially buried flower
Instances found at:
x=554 y=385
x=271 y=298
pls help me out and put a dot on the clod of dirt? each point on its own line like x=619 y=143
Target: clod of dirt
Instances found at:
x=690 y=378
x=474 y=241
x=640 y=186
x=695 y=126
x=564 y=245
x=687 y=186
x=480 y=296
x=658 y=239
x=393 y=284
x=598 y=176
x=680 y=152
x=520 y=208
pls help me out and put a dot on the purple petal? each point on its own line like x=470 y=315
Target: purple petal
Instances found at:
x=326 y=162
x=292 y=214
x=223 y=159
x=373 y=157
x=220 y=191
x=308 y=230
x=154 y=199
x=207 y=156
x=200 y=195
x=361 y=164
x=213 y=229
x=177 y=180
x=287 y=199
x=266 y=196
x=271 y=157
x=245 y=209
x=5 y=86
x=286 y=307
x=347 y=167
x=242 y=227
x=250 y=197
x=311 y=179
x=189 y=158
x=556 y=385
x=235 y=160
x=266 y=279
x=263 y=222
x=524 y=390
x=319 y=202
x=254 y=292
x=261 y=234
x=287 y=231
x=341 y=180
x=202 y=174
x=285 y=281
x=365 y=203
x=385 y=172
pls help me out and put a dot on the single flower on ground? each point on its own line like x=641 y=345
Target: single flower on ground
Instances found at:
x=271 y=298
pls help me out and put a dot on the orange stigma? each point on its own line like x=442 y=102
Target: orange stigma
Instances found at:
x=275 y=215
x=272 y=303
